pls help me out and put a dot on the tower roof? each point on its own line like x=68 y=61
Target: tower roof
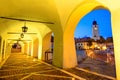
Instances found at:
x=94 y=22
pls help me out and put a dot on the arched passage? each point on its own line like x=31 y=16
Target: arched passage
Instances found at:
x=76 y=15
x=46 y=44
x=16 y=47
x=88 y=49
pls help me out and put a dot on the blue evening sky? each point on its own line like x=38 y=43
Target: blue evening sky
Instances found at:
x=103 y=18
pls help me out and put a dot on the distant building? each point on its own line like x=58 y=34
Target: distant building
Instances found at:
x=95 y=31
x=83 y=43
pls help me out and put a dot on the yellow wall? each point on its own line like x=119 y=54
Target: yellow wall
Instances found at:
x=35 y=48
x=30 y=48
x=26 y=48
x=58 y=50
x=116 y=38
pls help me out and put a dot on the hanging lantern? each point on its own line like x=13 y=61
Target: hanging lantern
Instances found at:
x=22 y=35
x=24 y=28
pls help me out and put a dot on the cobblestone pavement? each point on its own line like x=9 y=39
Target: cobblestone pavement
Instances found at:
x=98 y=66
x=97 y=62
x=22 y=67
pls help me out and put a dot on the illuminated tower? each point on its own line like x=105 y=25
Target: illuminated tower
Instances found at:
x=95 y=31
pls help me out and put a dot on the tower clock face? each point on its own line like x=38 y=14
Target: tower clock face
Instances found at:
x=95 y=28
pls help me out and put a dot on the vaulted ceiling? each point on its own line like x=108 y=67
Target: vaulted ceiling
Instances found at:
x=55 y=11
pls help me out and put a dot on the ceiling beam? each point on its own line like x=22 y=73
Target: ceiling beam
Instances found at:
x=19 y=33
x=19 y=40
x=27 y=20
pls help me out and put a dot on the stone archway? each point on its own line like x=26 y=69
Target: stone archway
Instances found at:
x=46 y=44
x=76 y=15
x=48 y=47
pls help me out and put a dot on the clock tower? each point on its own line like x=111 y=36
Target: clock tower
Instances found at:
x=95 y=31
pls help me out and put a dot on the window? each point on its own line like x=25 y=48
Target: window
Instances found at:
x=94 y=35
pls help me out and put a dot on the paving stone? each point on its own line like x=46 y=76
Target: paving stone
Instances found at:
x=98 y=66
x=86 y=76
x=19 y=66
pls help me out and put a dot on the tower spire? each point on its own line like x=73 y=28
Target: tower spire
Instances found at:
x=94 y=22
x=95 y=31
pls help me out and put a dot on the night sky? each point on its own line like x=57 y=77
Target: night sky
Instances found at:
x=103 y=18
